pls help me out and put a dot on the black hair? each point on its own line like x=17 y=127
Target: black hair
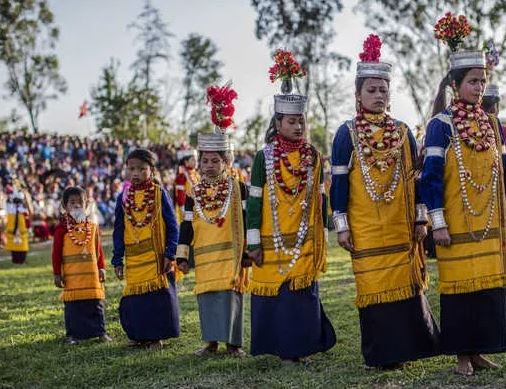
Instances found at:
x=456 y=76
x=183 y=160
x=143 y=155
x=359 y=83
x=225 y=155
x=73 y=191
x=272 y=130
x=488 y=103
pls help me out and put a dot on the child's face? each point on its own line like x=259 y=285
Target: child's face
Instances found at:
x=190 y=163
x=211 y=164
x=138 y=171
x=74 y=202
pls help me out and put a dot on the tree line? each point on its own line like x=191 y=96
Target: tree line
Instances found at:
x=148 y=107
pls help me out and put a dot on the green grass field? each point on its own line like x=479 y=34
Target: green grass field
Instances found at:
x=33 y=354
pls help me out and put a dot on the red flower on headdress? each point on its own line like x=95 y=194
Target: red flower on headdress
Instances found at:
x=372 y=49
x=285 y=66
x=222 y=107
x=452 y=30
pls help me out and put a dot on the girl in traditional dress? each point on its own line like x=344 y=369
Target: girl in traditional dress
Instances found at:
x=463 y=187
x=79 y=268
x=373 y=199
x=145 y=235
x=18 y=222
x=214 y=225
x=286 y=236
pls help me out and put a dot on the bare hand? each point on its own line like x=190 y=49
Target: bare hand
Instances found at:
x=101 y=275
x=257 y=256
x=118 y=270
x=58 y=281
x=420 y=232
x=183 y=267
x=344 y=240
x=168 y=265
x=441 y=237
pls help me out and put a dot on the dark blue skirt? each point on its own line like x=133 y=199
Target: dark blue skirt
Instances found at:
x=473 y=323
x=290 y=325
x=84 y=319
x=151 y=316
x=398 y=332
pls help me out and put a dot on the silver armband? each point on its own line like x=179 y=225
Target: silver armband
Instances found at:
x=421 y=213
x=340 y=221
x=437 y=218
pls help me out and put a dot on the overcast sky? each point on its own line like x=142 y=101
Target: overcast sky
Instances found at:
x=93 y=31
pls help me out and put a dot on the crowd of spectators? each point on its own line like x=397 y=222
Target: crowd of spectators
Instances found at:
x=45 y=164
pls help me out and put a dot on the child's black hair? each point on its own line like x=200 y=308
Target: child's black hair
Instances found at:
x=143 y=155
x=73 y=191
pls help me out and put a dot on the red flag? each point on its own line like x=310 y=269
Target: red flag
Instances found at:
x=84 y=109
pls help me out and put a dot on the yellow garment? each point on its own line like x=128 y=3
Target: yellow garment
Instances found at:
x=218 y=250
x=79 y=268
x=267 y=280
x=387 y=262
x=144 y=250
x=466 y=265
x=16 y=241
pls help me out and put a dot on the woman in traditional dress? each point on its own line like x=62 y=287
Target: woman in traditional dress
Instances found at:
x=462 y=185
x=381 y=222
x=287 y=221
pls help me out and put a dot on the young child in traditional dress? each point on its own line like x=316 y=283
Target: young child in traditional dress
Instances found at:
x=79 y=268
x=214 y=223
x=18 y=224
x=145 y=235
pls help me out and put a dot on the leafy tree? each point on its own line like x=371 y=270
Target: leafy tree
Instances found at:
x=406 y=27
x=303 y=26
x=108 y=98
x=153 y=37
x=201 y=69
x=130 y=112
x=332 y=95
x=254 y=130
x=27 y=40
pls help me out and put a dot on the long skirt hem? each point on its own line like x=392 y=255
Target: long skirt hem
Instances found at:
x=151 y=316
x=290 y=325
x=84 y=319
x=473 y=323
x=398 y=332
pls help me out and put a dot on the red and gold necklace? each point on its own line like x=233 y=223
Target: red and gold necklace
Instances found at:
x=463 y=113
x=379 y=153
x=282 y=148
x=73 y=227
x=212 y=194
x=148 y=203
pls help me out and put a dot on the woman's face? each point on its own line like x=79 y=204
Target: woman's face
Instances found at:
x=211 y=164
x=374 y=95
x=138 y=171
x=473 y=85
x=292 y=127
